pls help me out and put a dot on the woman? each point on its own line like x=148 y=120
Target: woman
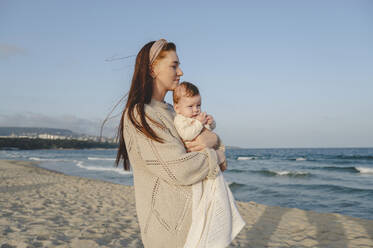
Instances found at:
x=163 y=170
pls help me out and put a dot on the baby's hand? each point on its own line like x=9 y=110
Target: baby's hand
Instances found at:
x=209 y=119
x=202 y=117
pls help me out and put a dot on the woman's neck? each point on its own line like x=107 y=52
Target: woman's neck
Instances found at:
x=158 y=94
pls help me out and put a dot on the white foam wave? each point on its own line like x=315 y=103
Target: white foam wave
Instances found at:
x=282 y=173
x=33 y=158
x=365 y=170
x=300 y=159
x=9 y=155
x=285 y=173
x=246 y=158
x=96 y=158
x=99 y=168
x=46 y=159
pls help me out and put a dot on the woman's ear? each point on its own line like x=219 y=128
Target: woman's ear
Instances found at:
x=153 y=70
x=152 y=74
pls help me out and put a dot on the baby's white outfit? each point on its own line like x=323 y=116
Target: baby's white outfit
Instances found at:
x=215 y=218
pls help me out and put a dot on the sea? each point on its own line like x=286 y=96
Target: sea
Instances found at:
x=327 y=180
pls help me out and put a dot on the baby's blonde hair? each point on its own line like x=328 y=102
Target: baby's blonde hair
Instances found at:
x=185 y=89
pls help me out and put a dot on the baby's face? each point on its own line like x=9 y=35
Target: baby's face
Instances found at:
x=189 y=106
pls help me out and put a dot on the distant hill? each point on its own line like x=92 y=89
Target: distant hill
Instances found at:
x=7 y=131
x=32 y=144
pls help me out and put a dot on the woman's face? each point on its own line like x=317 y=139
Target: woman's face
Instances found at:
x=167 y=72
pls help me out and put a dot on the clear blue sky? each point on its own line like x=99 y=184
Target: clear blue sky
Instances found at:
x=272 y=73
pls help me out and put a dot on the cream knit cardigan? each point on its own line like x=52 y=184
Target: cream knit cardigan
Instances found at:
x=163 y=174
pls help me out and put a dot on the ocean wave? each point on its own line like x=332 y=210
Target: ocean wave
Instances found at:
x=235 y=170
x=300 y=159
x=246 y=158
x=47 y=159
x=97 y=158
x=297 y=159
x=354 y=157
x=364 y=170
x=36 y=159
x=99 y=168
x=284 y=173
x=352 y=169
x=340 y=169
x=332 y=188
x=234 y=185
x=13 y=155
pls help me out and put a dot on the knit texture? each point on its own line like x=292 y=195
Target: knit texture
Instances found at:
x=163 y=174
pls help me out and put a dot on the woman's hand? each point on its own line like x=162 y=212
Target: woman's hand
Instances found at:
x=209 y=119
x=223 y=167
x=205 y=139
x=202 y=117
x=221 y=160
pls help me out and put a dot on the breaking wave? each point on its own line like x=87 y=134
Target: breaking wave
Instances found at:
x=47 y=159
x=352 y=169
x=97 y=158
x=100 y=168
x=283 y=173
x=246 y=158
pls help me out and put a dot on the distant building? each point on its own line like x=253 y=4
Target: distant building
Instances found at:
x=51 y=136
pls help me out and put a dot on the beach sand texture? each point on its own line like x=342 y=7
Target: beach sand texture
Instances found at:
x=41 y=208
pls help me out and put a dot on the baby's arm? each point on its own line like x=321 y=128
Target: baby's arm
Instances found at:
x=187 y=128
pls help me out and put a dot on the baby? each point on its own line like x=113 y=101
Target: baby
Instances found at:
x=215 y=218
x=189 y=120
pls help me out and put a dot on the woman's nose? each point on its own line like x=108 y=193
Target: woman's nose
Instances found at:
x=180 y=72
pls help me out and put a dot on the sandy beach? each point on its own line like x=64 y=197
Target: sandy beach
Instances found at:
x=42 y=208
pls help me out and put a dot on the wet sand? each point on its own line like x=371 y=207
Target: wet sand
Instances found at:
x=42 y=208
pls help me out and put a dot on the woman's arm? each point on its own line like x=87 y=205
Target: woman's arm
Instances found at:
x=206 y=139
x=169 y=160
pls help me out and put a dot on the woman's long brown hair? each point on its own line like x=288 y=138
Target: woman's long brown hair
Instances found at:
x=140 y=93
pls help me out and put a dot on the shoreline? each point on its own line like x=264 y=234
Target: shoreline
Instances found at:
x=37 y=163
x=55 y=149
x=45 y=208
